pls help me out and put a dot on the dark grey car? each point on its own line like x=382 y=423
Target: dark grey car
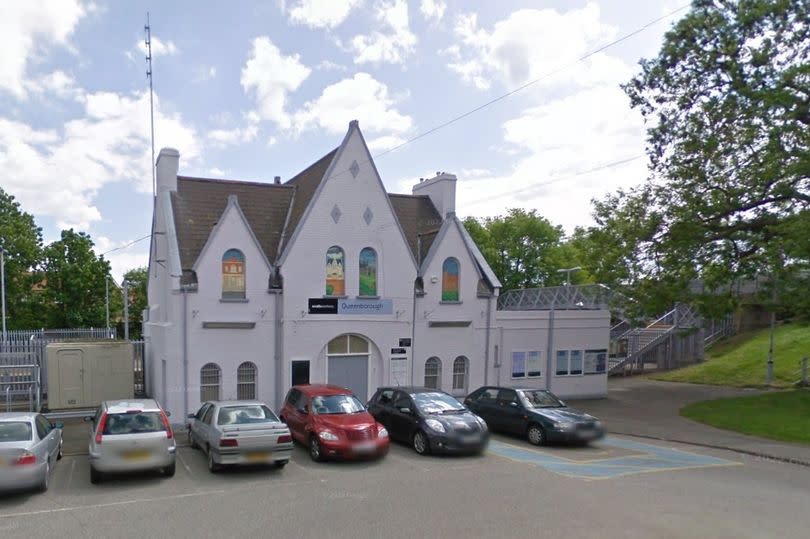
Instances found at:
x=536 y=414
x=429 y=420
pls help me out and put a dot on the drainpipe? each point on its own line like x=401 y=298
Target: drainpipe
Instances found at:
x=277 y=348
x=184 y=291
x=486 y=340
x=550 y=345
x=413 y=310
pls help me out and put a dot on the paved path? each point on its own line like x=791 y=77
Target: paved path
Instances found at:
x=643 y=407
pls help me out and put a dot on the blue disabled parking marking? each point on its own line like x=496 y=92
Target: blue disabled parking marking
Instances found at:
x=651 y=458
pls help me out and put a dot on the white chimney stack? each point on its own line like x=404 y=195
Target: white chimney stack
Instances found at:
x=442 y=192
x=168 y=162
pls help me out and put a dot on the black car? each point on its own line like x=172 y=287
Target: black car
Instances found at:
x=428 y=419
x=536 y=414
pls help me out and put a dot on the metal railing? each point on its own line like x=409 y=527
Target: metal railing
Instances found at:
x=591 y=296
x=61 y=335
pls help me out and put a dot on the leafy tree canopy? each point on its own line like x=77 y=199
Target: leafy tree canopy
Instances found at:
x=727 y=104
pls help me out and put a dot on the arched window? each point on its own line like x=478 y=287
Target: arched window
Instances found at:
x=233 y=274
x=450 y=274
x=460 y=368
x=210 y=382
x=335 y=276
x=368 y=272
x=246 y=381
x=433 y=373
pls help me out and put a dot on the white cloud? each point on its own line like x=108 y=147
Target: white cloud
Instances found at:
x=385 y=142
x=29 y=28
x=322 y=13
x=221 y=138
x=532 y=43
x=56 y=83
x=328 y=65
x=362 y=98
x=159 y=48
x=214 y=171
x=552 y=175
x=205 y=73
x=59 y=173
x=269 y=76
x=391 y=45
x=433 y=9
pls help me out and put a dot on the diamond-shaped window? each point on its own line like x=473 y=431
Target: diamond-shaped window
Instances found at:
x=368 y=215
x=336 y=213
x=354 y=169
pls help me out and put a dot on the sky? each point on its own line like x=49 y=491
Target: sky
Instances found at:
x=250 y=90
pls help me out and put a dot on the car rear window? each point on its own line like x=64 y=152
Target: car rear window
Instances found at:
x=133 y=423
x=15 y=431
x=245 y=414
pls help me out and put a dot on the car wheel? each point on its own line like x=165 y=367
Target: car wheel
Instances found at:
x=59 y=455
x=95 y=476
x=213 y=467
x=46 y=479
x=279 y=464
x=192 y=444
x=420 y=443
x=315 y=452
x=169 y=470
x=536 y=435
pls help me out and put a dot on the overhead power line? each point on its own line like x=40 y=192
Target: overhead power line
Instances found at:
x=130 y=244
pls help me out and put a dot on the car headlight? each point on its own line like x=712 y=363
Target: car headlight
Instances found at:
x=382 y=433
x=481 y=422
x=326 y=435
x=598 y=425
x=435 y=424
x=564 y=426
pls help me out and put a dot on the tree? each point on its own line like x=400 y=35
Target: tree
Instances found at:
x=138 y=280
x=523 y=249
x=727 y=101
x=22 y=240
x=75 y=282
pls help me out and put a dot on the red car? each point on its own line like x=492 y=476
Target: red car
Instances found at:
x=332 y=423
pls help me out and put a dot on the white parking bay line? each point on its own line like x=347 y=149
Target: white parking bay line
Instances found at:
x=111 y=504
x=70 y=474
x=183 y=462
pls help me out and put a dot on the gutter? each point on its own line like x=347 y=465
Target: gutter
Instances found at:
x=486 y=340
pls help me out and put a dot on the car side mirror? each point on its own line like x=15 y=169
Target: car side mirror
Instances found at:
x=304 y=409
x=59 y=425
x=168 y=413
x=562 y=403
x=192 y=416
x=513 y=404
x=88 y=419
x=406 y=410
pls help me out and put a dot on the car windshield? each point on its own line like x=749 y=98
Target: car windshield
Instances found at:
x=337 y=404
x=437 y=403
x=133 y=423
x=15 y=431
x=245 y=414
x=540 y=399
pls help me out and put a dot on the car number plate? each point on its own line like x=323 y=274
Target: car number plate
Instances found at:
x=471 y=439
x=258 y=456
x=136 y=455
x=365 y=447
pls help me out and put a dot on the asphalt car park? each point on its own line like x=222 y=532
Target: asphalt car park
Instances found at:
x=653 y=490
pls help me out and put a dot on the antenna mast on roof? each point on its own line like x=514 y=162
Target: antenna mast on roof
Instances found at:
x=148 y=43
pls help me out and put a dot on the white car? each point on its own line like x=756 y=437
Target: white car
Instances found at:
x=131 y=435
x=30 y=445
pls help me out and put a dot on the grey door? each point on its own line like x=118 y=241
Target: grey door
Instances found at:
x=351 y=372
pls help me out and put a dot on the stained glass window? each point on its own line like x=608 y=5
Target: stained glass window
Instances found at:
x=233 y=274
x=450 y=275
x=368 y=272
x=335 y=276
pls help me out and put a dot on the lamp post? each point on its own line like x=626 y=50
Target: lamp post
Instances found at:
x=125 y=290
x=568 y=272
x=3 y=288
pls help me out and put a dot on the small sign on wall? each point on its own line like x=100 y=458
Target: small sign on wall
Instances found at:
x=404 y=343
x=398 y=351
x=399 y=371
x=323 y=305
x=349 y=306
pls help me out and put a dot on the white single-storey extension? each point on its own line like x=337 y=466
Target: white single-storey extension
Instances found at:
x=254 y=287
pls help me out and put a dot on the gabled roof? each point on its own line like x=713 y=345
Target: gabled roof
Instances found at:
x=481 y=265
x=199 y=203
x=418 y=217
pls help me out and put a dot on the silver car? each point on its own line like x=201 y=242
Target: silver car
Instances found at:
x=239 y=432
x=131 y=435
x=30 y=445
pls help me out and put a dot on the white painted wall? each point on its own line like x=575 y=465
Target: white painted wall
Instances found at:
x=574 y=329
